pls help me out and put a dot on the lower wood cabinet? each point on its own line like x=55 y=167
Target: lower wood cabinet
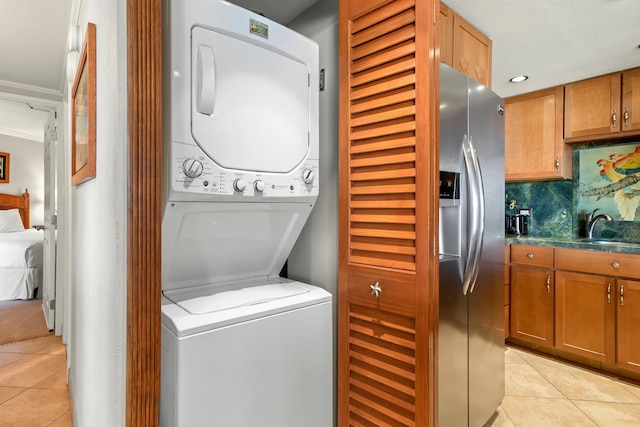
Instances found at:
x=532 y=295
x=628 y=324
x=578 y=302
x=585 y=315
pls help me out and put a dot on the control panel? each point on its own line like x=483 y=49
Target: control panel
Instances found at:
x=193 y=172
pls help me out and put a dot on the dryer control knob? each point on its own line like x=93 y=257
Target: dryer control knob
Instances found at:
x=192 y=168
x=259 y=186
x=240 y=185
x=307 y=176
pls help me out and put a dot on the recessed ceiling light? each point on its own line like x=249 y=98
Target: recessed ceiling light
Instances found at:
x=518 y=79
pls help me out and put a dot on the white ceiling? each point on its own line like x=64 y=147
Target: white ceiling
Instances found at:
x=33 y=48
x=555 y=41
x=551 y=41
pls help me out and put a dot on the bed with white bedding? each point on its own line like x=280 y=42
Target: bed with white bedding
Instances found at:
x=21 y=250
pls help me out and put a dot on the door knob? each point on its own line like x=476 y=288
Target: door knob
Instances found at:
x=376 y=289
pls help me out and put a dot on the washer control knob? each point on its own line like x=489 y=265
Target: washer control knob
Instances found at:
x=259 y=186
x=240 y=185
x=192 y=168
x=307 y=176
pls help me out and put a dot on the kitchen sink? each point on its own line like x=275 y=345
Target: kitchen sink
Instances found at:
x=605 y=242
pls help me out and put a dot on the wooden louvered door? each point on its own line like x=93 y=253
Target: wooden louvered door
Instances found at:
x=388 y=166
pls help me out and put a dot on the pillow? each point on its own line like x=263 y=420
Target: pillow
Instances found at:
x=10 y=221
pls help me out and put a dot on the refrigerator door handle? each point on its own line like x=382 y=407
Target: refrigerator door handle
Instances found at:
x=476 y=214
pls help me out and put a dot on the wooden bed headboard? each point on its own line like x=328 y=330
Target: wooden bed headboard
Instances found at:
x=21 y=202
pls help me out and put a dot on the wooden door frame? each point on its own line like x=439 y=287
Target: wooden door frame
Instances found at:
x=144 y=212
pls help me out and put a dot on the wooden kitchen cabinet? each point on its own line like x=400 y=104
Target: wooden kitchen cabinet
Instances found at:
x=585 y=315
x=446 y=35
x=531 y=308
x=627 y=321
x=594 y=327
x=464 y=47
x=603 y=107
x=534 y=146
x=532 y=294
x=388 y=203
x=507 y=288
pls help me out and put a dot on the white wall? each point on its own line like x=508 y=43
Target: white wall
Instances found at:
x=97 y=334
x=26 y=172
x=314 y=258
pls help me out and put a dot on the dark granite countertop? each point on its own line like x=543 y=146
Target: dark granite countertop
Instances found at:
x=572 y=243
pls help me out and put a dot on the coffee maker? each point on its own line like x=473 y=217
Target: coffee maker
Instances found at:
x=517 y=224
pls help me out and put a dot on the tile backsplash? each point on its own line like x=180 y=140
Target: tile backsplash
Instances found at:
x=559 y=207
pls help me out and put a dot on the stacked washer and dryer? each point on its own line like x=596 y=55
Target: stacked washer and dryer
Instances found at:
x=241 y=346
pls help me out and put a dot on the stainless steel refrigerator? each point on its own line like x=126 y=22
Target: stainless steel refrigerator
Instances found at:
x=471 y=328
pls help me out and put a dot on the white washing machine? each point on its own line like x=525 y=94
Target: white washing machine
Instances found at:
x=241 y=346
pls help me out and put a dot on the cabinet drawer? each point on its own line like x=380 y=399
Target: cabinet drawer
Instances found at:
x=541 y=256
x=397 y=291
x=598 y=262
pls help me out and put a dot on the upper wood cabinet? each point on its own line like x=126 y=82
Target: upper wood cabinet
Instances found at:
x=463 y=47
x=534 y=147
x=388 y=204
x=603 y=107
x=446 y=34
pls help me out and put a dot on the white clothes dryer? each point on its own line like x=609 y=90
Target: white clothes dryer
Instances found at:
x=241 y=346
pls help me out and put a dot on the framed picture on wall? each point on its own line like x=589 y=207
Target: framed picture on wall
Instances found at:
x=4 y=168
x=83 y=112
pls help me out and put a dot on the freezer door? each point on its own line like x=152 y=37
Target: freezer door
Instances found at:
x=452 y=336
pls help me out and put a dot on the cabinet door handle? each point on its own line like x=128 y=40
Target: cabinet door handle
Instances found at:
x=548 y=283
x=614 y=118
x=616 y=265
x=557 y=163
x=621 y=295
x=376 y=289
x=626 y=116
x=609 y=293
x=530 y=256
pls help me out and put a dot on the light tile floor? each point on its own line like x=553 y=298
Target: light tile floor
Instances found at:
x=33 y=384
x=541 y=391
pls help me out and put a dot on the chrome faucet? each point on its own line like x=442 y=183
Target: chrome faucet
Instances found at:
x=592 y=219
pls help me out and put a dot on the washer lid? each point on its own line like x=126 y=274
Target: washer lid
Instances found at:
x=217 y=243
x=241 y=298
x=250 y=106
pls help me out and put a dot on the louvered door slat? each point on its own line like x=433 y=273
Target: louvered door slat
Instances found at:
x=383 y=160
x=386 y=97
x=390 y=234
x=370 y=247
x=381 y=43
x=398 y=21
x=394 y=396
x=378 y=16
x=394 y=415
x=383 y=145
x=382 y=351
x=384 y=116
x=383 y=204
x=387 y=55
x=382 y=219
x=384 y=86
x=385 y=174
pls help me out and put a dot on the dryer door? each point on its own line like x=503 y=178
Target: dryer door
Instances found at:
x=249 y=104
